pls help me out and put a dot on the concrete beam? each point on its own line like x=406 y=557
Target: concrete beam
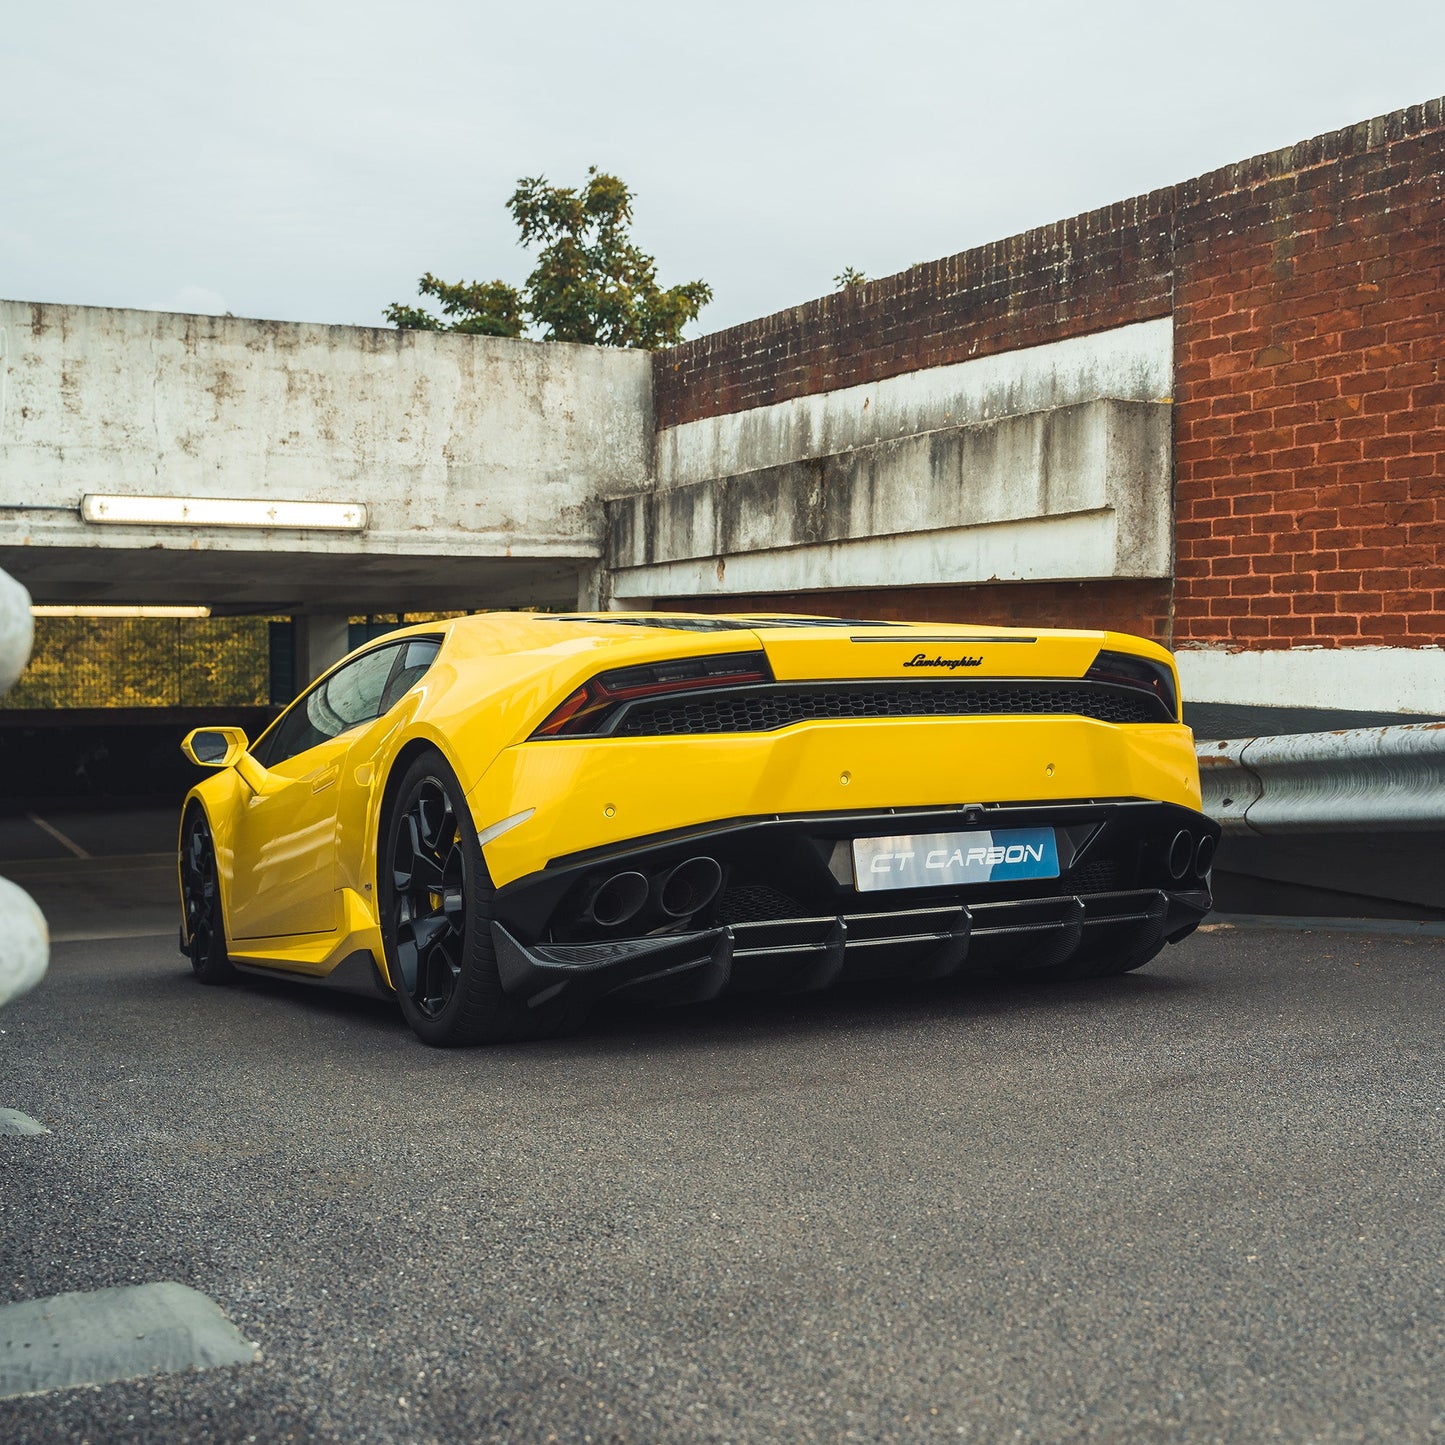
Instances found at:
x=477 y=450
x=482 y=464
x=1073 y=493
x=1128 y=363
x=259 y=581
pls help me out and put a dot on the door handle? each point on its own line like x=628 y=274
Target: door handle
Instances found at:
x=324 y=779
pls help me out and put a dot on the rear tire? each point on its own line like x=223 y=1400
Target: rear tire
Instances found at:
x=201 y=901
x=436 y=900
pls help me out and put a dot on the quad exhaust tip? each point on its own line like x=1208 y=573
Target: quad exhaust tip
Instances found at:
x=1181 y=854
x=1186 y=855
x=689 y=887
x=618 y=899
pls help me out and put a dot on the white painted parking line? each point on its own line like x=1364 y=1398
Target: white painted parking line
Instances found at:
x=110 y=934
x=58 y=835
x=103 y=1335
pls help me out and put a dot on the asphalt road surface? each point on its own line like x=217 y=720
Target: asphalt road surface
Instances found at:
x=1199 y=1203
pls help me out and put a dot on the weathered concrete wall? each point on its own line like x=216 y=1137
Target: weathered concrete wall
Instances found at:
x=1132 y=363
x=1080 y=492
x=467 y=447
x=1045 y=463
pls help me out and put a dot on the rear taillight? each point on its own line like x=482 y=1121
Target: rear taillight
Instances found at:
x=590 y=709
x=1123 y=669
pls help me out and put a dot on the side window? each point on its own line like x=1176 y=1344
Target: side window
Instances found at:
x=416 y=657
x=351 y=695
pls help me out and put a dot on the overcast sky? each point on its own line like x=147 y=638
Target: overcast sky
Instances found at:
x=308 y=160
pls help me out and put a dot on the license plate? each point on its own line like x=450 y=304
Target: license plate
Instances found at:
x=936 y=860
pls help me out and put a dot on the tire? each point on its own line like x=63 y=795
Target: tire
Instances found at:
x=436 y=901
x=201 y=901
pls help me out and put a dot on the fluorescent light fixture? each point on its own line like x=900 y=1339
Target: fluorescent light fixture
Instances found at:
x=117 y=610
x=222 y=512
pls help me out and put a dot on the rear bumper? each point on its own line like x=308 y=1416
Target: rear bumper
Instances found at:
x=788 y=917
x=594 y=793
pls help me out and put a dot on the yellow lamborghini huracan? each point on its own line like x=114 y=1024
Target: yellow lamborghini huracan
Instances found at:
x=499 y=819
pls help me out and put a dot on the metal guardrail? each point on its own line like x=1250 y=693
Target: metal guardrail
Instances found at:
x=1366 y=780
x=24 y=938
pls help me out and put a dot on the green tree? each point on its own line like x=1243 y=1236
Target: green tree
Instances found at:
x=590 y=282
x=849 y=276
x=484 y=308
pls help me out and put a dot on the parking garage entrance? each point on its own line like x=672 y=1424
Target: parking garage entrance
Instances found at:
x=99 y=713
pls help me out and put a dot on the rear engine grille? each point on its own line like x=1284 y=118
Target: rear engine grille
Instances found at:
x=765 y=709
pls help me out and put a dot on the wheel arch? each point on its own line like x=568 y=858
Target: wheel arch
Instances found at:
x=197 y=800
x=412 y=748
x=191 y=803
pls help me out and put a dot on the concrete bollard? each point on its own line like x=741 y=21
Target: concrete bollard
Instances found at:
x=24 y=942
x=24 y=938
x=17 y=631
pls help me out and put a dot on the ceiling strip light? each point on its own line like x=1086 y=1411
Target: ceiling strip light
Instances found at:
x=117 y=610
x=222 y=512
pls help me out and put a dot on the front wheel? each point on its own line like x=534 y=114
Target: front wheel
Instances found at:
x=201 y=901
x=436 y=914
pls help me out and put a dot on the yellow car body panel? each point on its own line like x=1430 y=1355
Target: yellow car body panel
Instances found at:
x=587 y=795
x=316 y=955
x=297 y=856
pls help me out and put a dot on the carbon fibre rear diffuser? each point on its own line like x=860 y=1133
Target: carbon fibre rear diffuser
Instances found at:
x=797 y=955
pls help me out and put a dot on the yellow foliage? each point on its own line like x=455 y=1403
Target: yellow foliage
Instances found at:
x=80 y=662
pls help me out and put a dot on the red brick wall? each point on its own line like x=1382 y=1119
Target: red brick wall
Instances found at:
x=1310 y=392
x=1308 y=290
x=1102 y=269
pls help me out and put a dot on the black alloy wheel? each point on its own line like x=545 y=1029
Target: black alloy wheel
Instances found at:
x=429 y=909
x=436 y=917
x=201 y=901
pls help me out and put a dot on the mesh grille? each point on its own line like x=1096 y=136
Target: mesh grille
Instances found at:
x=1097 y=877
x=755 y=902
x=760 y=710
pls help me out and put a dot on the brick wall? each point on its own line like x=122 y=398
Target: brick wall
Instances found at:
x=1103 y=269
x=1310 y=392
x=1308 y=290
